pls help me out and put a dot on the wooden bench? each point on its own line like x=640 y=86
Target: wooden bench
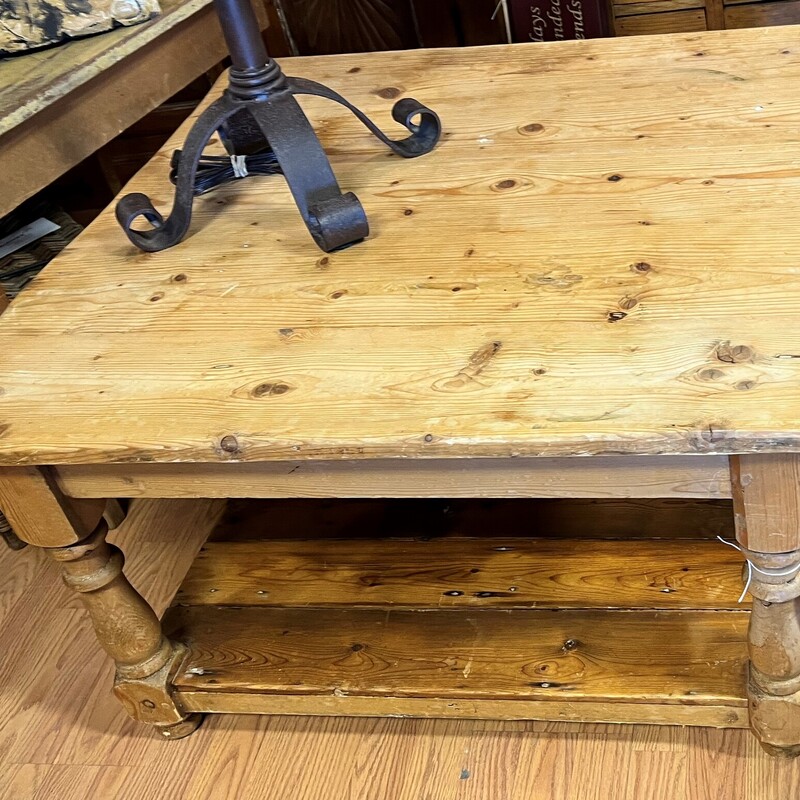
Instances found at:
x=588 y=290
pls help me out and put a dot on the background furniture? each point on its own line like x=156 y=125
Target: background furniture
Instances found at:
x=581 y=293
x=60 y=105
x=674 y=16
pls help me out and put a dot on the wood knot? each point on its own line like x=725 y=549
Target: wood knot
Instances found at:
x=407 y=212
x=628 y=303
x=179 y=278
x=323 y=262
x=156 y=297
x=229 y=444
x=711 y=374
x=616 y=316
x=271 y=389
x=641 y=266
x=614 y=178
x=353 y=70
x=734 y=354
x=504 y=185
x=531 y=127
x=389 y=93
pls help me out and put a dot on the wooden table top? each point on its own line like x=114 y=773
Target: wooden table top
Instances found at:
x=600 y=257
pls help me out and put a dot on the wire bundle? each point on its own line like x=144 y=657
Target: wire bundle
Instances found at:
x=213 y=171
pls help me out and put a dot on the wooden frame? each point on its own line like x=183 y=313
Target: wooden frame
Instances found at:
x=152 y=671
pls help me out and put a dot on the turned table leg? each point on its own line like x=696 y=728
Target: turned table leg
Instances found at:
x=73 y=532
x=766 y=491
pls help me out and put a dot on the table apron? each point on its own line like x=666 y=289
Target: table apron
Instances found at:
x=595 y=477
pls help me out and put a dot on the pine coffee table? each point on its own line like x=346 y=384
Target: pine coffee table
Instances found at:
x=589 y=289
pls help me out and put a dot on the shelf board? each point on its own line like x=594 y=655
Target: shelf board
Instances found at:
x=504 y=664
x=466 y=572
x=502 y=627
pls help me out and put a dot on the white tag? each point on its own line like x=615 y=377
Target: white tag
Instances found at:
x=25 y=235
x=239 y=164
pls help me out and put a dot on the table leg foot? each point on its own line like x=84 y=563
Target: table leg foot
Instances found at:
x=182 y=729
x=781 y=752
x=129 y=631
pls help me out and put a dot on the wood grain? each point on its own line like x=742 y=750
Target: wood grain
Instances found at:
x=653 y=315
x=460 y=572
x=677 y=477
x=465 y=654
x=41 y=78
x=84 y=93
x=667 y=22
x=754 y=15
x=55 y=710
x=40 y=513
x=766 y=497
x=653 y=7
x=719 y=714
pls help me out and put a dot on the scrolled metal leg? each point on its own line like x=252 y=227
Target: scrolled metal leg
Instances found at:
x=424 y=134
x=333 y=219
x=168 y=232
x=265 y=96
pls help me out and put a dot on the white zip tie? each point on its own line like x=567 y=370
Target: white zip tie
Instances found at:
x=239 y=164
x=752 y=567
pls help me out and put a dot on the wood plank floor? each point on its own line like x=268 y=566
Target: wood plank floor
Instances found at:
x=63 y=737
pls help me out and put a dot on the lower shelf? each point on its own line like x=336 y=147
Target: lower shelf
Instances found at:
x=559 y=629
x=682 y=667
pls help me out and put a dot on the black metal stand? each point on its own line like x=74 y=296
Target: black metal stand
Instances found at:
x=258 y=111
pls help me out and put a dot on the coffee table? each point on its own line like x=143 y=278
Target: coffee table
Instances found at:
x=589 y=289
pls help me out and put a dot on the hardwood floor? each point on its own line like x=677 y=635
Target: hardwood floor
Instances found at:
x=64 y=737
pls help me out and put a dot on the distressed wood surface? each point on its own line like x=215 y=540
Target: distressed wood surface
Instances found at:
x=27 y=26
x=724 y=713
x=59 y=106
x=39 y=512
x=597 y=259
x=62 y=736
x=766 y=499
x=469 y=654
x=31 y=83
x=677 y=477
x=461 y=572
